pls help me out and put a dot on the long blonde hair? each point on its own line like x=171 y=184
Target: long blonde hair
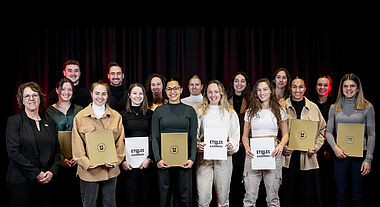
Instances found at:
x=360 y=101
x=224 y=105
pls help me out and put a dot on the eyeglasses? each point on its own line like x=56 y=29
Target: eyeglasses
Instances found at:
x=175 y=89
x=117 y=73
x=34 y=96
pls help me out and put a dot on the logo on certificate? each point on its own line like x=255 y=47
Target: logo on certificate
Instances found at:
x=302 y=135
x=174 y=149
x=101 y=147
x=350 y=139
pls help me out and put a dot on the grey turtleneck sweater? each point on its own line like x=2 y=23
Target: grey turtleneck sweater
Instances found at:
x=354 y=116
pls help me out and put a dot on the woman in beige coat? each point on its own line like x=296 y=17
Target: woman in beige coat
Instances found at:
x=97 y=116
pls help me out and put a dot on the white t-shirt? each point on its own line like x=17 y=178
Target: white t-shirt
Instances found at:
x=264 y=123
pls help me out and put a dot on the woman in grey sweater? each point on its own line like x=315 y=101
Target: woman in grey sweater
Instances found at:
x=351 y=107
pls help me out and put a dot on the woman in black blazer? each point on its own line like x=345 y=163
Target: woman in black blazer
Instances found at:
x=33 y=150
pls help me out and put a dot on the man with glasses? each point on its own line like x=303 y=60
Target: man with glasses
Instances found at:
x=118 y=94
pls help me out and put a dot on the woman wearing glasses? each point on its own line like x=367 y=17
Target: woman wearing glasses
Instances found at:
x=33 y=150
x=174 y=117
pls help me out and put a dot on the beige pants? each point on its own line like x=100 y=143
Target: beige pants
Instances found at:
x=252 y=179
x=217 y=172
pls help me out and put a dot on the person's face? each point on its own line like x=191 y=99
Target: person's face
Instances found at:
x=137 y=96
x=323 y=87
x=298 y=89
x=99 y=95
x=239 y=84
x=195 y=86
x=115 y=75
x=156 y=86
x=173 y=90
x=213 y=94
x=30 y=99
x=281 y=79
x=72 y=72
x=263 y=92
x=350 y=88
x=65 y=92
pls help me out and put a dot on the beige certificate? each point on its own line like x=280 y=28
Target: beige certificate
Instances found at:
x=302 y=134
x=100 y=147
x=64 y=138
x=174 y=148
x=350 y=138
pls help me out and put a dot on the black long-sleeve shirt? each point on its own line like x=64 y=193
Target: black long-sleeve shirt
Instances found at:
x=136 y=124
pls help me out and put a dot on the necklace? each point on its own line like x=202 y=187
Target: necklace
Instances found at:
x=137 y=113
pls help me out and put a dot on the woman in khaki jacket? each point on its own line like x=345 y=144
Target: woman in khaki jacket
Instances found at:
x=97 y=116
x=300 y=172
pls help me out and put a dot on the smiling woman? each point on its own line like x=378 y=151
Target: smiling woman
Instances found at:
x=33 y=149
x=174 y=91
x=97 y=116
x=174 y=117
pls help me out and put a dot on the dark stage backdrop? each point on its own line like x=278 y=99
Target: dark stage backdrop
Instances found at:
x=36 y=53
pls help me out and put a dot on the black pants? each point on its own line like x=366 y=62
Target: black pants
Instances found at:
x=67 y=192
x=175 y=187
x=326 y=169
x=135 y=188
x=300 y=187
x=237 y=189
x=31 y=194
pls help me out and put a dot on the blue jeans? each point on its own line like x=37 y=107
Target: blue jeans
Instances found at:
x=106 y=189
x=349 y=182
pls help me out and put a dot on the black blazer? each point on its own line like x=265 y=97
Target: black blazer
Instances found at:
x=24 y=157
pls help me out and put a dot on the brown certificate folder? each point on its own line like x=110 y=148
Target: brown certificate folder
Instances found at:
x=100 y=146
x=174 y=148
x=350 y=138
x=302 y=134
x=64 y=138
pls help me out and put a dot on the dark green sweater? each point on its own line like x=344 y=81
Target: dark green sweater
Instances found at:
x=171 y=118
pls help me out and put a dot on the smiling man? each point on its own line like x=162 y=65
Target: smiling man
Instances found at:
x=117 y=94
x=81 y=95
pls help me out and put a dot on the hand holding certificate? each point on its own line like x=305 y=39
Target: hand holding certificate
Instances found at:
x=262 y=149
x=302 y=134
x=350 y=137
x=64 y=138
x=173 y=149
x=137 y=150
x=100 y=146
x=215 y=144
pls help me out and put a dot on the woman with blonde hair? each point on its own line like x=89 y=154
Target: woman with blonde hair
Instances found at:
x=216 y=113
x=351 y=107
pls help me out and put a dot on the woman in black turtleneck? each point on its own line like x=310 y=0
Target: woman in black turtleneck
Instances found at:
x=300 y=180
x=238 y=96
x=134 y=183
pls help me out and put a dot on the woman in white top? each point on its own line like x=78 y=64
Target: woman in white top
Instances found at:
x=264 y=117
x=216 y=113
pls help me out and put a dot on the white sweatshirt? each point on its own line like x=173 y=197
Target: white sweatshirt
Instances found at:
x=213 y=119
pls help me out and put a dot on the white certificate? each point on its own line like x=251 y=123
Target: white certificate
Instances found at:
x=215 y=140
x=137 y=150
x=262 y=149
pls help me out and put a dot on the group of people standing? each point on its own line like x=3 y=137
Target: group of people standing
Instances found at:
x=39 y=174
